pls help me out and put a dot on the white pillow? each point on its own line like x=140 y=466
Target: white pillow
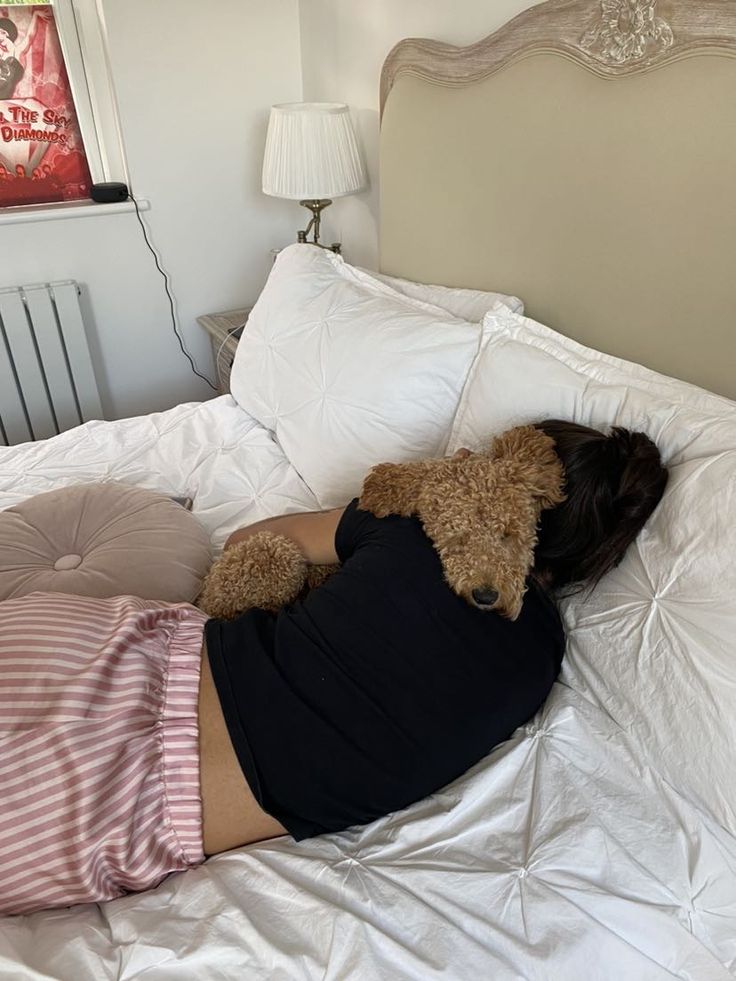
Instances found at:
x=467 y=304
x=655 y=643
x=347 y=372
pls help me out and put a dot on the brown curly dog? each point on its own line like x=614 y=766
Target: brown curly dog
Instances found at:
x=480 y=510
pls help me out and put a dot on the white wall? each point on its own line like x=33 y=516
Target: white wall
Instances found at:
x=344 y=44
x=194 y=86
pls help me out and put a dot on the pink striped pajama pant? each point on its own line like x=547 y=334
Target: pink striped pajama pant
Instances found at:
x=99 y=764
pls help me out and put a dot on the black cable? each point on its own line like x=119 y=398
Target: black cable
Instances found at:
x=171 y=298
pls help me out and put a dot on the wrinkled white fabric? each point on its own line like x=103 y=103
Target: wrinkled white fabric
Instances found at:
x=232 y=468
x=467 y=304
x=655 y=643
x=347 y=372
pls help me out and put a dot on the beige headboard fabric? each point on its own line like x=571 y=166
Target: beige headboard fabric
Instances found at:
x=602 y=193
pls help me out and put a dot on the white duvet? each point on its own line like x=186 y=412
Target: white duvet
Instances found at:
x=563 y=855
x=213 y=452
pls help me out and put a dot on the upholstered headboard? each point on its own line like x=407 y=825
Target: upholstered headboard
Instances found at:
x=582 y=157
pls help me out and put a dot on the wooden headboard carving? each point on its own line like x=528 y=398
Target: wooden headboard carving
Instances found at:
x=609 y=37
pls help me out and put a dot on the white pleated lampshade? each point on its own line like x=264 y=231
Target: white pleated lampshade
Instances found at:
x=311 y=152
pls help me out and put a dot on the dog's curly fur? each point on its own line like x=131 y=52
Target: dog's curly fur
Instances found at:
x=480 y=511
x=265 y=570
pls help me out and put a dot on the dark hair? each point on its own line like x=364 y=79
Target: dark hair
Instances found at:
x=612 y=483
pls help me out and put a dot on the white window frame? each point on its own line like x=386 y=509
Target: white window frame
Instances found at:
x=83 y=37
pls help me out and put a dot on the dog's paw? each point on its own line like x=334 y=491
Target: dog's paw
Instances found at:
x=395 y=488
x=379 y=493
x=266 y=571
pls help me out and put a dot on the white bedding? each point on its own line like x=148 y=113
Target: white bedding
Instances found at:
x=564 y=854
x=212 y=452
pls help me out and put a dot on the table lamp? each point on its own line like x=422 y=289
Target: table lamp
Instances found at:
x=312 y=157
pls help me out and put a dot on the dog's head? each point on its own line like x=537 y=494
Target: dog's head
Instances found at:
x=482 y=510
x=483 y=525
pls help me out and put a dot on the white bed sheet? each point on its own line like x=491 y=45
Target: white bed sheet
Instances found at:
x=214 y=452
x=564 y=854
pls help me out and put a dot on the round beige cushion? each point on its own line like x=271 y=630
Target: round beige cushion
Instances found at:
x=102 y=540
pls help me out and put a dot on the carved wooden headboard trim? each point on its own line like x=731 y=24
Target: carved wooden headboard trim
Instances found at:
x=610 y=38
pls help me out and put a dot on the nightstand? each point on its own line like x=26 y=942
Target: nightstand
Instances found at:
x=224 y=330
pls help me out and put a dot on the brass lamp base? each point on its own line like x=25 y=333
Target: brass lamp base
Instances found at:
x=316 y=206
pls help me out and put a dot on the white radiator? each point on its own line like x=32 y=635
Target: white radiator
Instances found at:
x=47 y=382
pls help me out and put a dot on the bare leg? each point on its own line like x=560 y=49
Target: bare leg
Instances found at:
x=231 y=814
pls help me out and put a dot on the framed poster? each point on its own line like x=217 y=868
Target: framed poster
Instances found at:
x=42 y=156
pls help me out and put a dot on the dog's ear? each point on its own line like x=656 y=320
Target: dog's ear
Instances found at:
x=548 y=483
x=393 y=488
x=532 y=455
x=523 y=443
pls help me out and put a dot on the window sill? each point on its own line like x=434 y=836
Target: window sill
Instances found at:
x=68 y=209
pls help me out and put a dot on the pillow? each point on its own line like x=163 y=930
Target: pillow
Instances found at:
x=470 y=305
x=347 y=372
x=654 y=642
x=104 y=539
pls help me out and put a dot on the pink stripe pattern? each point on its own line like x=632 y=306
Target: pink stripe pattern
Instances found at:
x=99 y=747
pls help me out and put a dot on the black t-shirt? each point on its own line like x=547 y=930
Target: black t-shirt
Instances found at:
x=381 y=686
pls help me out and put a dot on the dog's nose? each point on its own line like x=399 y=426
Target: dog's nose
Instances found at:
x=484 y=596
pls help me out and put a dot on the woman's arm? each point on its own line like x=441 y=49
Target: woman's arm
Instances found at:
x=313 y=532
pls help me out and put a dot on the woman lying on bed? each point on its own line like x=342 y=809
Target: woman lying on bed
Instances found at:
x=122 y=761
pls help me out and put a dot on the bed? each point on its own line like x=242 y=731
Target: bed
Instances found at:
x=599 y=841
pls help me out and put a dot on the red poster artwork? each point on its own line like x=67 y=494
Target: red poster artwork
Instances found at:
x=42 y=158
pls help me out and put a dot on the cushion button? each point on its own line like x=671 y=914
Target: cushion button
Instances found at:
x=67 y=562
